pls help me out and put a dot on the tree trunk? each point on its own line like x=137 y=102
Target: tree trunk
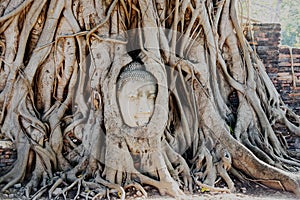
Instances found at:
x=65 y=64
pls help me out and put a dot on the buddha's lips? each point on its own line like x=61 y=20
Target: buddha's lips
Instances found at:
x=142 y=116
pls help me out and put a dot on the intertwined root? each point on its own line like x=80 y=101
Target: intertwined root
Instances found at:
x=59 y=63
x=209 y=166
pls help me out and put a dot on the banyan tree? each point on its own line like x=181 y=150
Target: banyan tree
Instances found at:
x=102 y=95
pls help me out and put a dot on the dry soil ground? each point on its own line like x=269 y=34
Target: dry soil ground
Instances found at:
x=253 y=192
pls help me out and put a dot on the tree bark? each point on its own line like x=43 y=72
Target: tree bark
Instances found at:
x=60 y=62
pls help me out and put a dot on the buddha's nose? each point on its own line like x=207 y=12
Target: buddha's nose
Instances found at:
x=144 y=107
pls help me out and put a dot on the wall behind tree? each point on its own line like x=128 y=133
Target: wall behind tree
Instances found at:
x=282 y=62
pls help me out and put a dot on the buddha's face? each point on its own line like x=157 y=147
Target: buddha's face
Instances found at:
x=136 y=101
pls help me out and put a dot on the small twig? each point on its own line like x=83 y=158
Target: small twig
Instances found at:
x=43 y=46
x=81 y=33
x=109 y=39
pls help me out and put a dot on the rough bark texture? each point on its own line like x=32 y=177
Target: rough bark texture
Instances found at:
x=59 y=65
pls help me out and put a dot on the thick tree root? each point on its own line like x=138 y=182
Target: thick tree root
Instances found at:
x=59 y=65
x=273 y=177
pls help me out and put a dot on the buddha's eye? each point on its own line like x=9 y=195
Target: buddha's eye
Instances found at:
x=152 y=96
x=133 y=97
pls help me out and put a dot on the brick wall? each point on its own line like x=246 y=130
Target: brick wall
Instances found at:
x=265 y=40
x=288 y=77
x=282 y=63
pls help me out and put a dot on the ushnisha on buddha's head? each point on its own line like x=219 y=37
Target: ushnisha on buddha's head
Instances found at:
x=136 y=93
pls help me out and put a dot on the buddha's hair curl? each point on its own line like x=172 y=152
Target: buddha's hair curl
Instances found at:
x=134 y=71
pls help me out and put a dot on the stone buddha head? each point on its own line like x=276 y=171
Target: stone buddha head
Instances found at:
x=136 y=94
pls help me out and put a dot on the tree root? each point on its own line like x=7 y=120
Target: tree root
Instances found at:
x=99 y=195
x=211 y=188
x=17 y=173
x=247 y=162
x=138 y=187
x=78 y=96
x=40 y=192
x=181 y=166
x=54 y=186
x=16 y=11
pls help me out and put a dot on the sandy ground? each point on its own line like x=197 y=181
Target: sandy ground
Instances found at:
x=236 y=196
x=275 y=195
x=253 y=192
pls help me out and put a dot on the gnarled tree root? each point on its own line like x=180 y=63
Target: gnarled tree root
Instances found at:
x=247 y=162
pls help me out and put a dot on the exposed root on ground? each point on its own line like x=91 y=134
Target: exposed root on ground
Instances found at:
x=59 y=68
